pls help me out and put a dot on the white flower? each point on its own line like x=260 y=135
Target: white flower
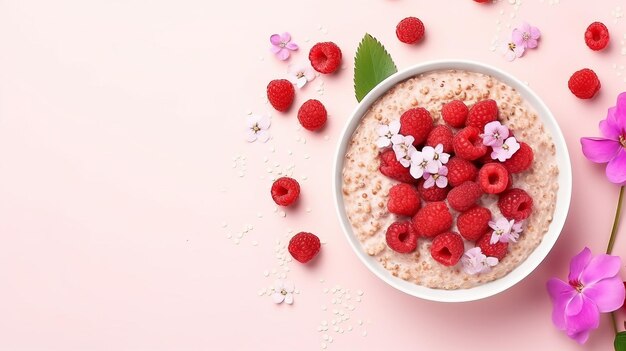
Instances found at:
x=505 y=231
x=440 y=157
x=423 y=162
x=258 y=126
x=510 y=51
x=283 y=291
x=300 y=74
x=404 y=149
x=475 y=262
x=388 y=134
x=506 y=150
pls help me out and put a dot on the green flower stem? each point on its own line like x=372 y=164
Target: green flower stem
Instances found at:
x=609 y=247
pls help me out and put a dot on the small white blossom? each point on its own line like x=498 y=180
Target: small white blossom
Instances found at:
x=440 y=157
x=505 y=231
x=257 y=128
x=423 y=162
x=388 y=134
x=283 y=291
x=506 y=150
x=404 y=149
x=300 y=74
x=475 y=262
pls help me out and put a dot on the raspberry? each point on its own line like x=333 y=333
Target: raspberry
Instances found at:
x=464 y=196
x=416 y=122
x=285 y=191
x=432 y=219
x=468 y=144
x=473 y=222
x=447 y=248
x=441 y=135
x=483 y=1
x=515 y=204
x=304 y=246
x=312 y=115
x=597 y=36
x=410 y=30
x=493 y=178
x=433 y=193
x=403 y=200
x=497 y=250
x=280 y=93
x=521 y=159
x=455 y=113
x=401 y=237
x=481 y=113
x=393 y=169
x=584 y=83
x=325 y=57
x=460 y=171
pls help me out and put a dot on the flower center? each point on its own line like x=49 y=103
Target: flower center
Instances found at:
x=283 y=292
x=436 y=157
x=505 y=147
x=282 y=44
x=496 y=135
x=512 y=46
x=576 y=284
x=300 y=74
x=526 y=36
x=622 y=141
x=256 y=128
x=436 y=176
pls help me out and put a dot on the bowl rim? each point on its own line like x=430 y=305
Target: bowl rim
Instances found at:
x=563 y=194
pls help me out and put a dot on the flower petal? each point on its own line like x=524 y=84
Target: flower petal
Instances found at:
x=394 y=127
x=580 y=337
x=531 y=43
x=285 y=37
x=535 y=33
x=289 y=299
x=587 y=319
x=292 y=46
x=283 y=54
x=621 y=104
x=250 y=135
x=600 y=267
x=263 y=135
x=278 y=297
x=560 y=293
x=616 y=169
x=383 y=142
x=607 y=294
x=599 y=150
x=264 y=122
x=278 y=285
x=275 y=39
x=275 y=49
x=289 y=286
x=301 y=82
x=574 y=306
x=608 y=126
x=578 y=264
x=518 y=37
x=442 y=182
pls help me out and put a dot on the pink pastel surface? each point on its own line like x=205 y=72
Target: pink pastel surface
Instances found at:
x=119 y=122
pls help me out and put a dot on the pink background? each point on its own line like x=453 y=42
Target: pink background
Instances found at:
x=119 y=122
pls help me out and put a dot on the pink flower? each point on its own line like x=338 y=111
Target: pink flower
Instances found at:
x=526 y=36
x=506 y=150
x=594 y=287
x=495 y=133
x=511 y=51
x=282 y=45
x=611 y=147
x=504 y=230
x=474 y=261
x=440 y=178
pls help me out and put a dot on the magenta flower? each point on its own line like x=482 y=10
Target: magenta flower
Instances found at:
x=526 y=36
x=282 y=45
x=594 y=287
x=610 y=148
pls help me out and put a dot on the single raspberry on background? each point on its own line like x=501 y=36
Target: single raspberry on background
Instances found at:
x=597 y=36
x=447 y=248
x=521 y=160
x=416 y=122
x=481 y=113
x=402 y=237
x=280 y=93
x=432 y=219
x=312 y=115
x=455 y=113
x=441 y=135
x=497 y=250
x=515 y=204
x=403 y=200
x=285 y=191
x=410 y=30
x=464 y=196
x=584 y=83
x=473 y=222
x=460 y=171
x=434 y=193
x=493 y=178
x=304 y=246
x=325 y=57
x=468 y=144
x=392 y=168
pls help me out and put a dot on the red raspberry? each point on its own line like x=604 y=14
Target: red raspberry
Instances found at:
x=312 y=115
x=460 y=171
x=447 y=248
x=483 y=1
x=521 y=160
x=401 y=237
x=416 y=122
x=432 y=219
x=584 y=83
x=484 y=159
x=441 y=135
x=280 y=93
x=433 y=193
x=473 y=222
x=403 y=200
x=468 y=144
x=285 y=191
x=597 y=36
x=410 y=30
x=464 y=196
x=493 y=178
x=304 y=246
x=515 y=204
x=393 y=169
x=325 y=57
x=497 y=250
x=481 y=113
x=455 y=113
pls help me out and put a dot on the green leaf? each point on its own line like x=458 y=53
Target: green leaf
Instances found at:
x=372 y=64
x=620 y=341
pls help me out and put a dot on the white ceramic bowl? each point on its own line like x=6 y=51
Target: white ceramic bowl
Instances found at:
x=563 y=195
